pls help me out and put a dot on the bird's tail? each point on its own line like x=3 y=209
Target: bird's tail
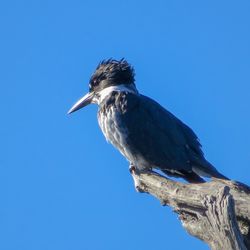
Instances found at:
x=219 y=176
x=208 y=170
x=190 y=177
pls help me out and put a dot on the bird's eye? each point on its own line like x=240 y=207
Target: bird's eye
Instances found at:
x=93 y=84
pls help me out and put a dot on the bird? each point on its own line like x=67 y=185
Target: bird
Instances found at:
x=146 y=134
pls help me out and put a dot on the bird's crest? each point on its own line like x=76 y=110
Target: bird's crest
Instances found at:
x=114 y=71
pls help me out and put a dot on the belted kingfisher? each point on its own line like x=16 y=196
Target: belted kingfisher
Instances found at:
x=148 y=135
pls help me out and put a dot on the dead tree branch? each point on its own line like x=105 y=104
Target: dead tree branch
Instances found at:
x=217 y=212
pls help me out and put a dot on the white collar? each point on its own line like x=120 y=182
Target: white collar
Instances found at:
x=101 y=95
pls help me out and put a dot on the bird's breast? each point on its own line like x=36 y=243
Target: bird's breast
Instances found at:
x=110 y=122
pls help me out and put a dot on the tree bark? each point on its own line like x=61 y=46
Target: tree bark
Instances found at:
x=217 y=212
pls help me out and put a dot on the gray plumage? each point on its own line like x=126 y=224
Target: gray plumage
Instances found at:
x=148 y=135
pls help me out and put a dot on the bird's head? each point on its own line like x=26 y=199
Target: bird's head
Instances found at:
x=110 y=75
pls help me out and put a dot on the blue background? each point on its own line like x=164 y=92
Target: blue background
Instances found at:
x=61 y=185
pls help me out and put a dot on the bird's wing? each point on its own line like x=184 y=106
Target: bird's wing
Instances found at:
x=149 y=135
x=157 y=135
x=189 y=138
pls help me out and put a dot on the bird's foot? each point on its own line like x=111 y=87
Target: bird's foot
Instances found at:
x=135 y=172
x=132 y=169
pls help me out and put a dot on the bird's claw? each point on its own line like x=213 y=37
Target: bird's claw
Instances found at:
x=135 y=172
x=132 y=169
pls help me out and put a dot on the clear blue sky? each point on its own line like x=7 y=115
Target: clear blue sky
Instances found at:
x=61 y=185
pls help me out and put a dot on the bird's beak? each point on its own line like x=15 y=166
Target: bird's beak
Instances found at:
x=84 y=101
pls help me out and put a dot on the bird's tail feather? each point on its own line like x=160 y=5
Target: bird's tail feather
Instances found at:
x=191 y=177
x=208 y=171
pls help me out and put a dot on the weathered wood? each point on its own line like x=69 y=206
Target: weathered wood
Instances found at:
x=217 y=212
